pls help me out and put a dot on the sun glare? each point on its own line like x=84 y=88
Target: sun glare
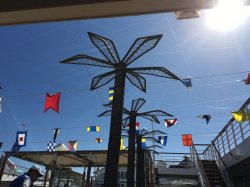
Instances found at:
x=227 y=15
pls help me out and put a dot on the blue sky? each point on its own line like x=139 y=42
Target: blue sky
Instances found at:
x=30 y=68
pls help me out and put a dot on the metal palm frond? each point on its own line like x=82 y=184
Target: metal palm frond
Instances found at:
x=106 y=113
x=137 y=104
x=125 y=111
x=150 y=117
x=102 y=79
x=157 y=113
x=108 y=105
x=155 y=71
x=106 y=47
x=150 y=138
x=137 y=80
x=154 y=132
x=125 y=122
x=87 y=60
x=140 y=47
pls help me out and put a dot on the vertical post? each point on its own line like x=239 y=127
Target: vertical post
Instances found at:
x=59 y=177
x=52 y=171
x=131 y=151
x=45 y=177
x=111 y=169
x=5 y=158
x=223 y=144
x=229 y=147
x=88 y=175
x=142 y=168
x=232 y=127
x=138 y=161
x=83 y=177
x=153 y=135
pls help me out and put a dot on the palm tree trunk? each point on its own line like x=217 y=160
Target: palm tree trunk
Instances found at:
x=138 y=161
x=131 y=152
x=111 y=170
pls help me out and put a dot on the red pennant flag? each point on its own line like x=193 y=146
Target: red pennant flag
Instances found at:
x=52 y=101
x=98 y=140
x=187 y=139
x=247 y=81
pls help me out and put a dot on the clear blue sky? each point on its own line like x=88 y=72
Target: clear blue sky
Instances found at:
x=30 y=56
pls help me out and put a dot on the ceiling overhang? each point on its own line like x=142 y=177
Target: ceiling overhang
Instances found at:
x=30 y=11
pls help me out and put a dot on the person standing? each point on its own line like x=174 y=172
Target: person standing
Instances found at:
x=27 y=179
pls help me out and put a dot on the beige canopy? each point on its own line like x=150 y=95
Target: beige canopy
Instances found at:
x=96 y=158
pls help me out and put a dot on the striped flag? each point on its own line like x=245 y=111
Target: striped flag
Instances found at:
x=93 y=129
x=111 y=94
x=170 y=122
x=21 y=138
x=73 y=145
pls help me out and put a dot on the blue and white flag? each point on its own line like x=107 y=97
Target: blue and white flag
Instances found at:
x=21 y=137
x=162 y=140
x=51 y=146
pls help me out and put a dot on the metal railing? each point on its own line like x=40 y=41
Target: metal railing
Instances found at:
x=173 y=160
x=201 y=172
x=232 y=134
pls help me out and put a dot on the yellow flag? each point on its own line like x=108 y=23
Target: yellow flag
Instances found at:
x=240 y=116
x=122 y=147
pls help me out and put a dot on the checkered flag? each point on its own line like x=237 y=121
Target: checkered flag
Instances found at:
x=51 y=146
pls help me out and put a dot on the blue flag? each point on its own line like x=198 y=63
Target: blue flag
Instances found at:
x=162 y=140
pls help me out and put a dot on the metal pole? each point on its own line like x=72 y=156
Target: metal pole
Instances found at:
x=88 y=175
x=131 y=152
x=153 y=135
x=5 y=158
x=138 y=161
x=45 y=177
x=52 y=171
x=111 y=169
x=142 y=168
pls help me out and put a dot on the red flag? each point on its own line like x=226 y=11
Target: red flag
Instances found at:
x=52 y=101
x=98 y=140
x=247 y=81
x=187 y=139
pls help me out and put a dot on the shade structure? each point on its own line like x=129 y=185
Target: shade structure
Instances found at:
x=69 y=159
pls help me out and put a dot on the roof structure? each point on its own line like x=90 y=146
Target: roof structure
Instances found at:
x=29 y=11
x=97 y=158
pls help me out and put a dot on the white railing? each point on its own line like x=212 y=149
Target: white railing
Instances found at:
x=232 y=134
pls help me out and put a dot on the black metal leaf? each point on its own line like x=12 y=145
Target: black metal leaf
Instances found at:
x=137 y=104
x=106 y=47
x=157 y=113
x=106 y=113
x=137 y=80
x=140 y=47
x=102 y=79
x=87 y=60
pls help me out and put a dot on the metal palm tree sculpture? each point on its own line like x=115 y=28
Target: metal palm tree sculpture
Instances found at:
x=119 y=73
x=140 y=172
x=131 y=122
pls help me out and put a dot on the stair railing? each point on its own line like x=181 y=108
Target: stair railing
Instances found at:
x=224 y=171
x=201 y=172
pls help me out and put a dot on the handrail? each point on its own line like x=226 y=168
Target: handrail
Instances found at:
x=202 y=175
x=225 y=171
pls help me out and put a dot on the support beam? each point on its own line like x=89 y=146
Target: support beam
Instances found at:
x=30 y=11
